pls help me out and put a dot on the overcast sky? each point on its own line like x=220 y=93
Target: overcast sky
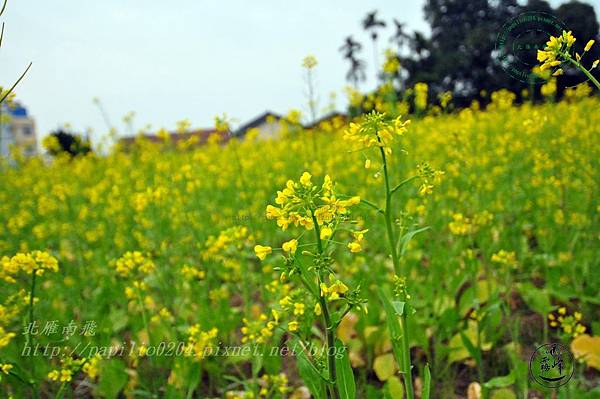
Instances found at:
x=170 y=60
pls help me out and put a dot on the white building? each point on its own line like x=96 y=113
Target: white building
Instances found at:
x=17 y=128
x=267 y=123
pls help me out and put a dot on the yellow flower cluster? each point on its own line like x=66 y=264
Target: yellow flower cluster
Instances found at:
x=273 y=384
x=375 y=131
x=429 y=178
x=462 y=225
x=6 y=367
x=301 y=203
x=259 y=331
x=91 y=367
x=262 y=251
x=391 y=65
x=356 y=245
x=507 y=258
x=69 y=367
x=236 y=237
x=569 y=323
x=555 y=49
x=192 y=273
x=200 y=343
x=32 y=262
x=132 y=262
x=334 y=291
x=309 y=62
x=421 y=93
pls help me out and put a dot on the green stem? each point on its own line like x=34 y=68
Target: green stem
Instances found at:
x=477 y=307
x=387 y=213
x=403 y=182
x=59 y=394
x=406 y=361
x=584 y=70
x=29 y=336
x=329 y=328
x=406 y=356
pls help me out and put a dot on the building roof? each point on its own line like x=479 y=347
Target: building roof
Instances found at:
x=15 y=109
x=175 y=137
x=326 y=117
x=257 y=121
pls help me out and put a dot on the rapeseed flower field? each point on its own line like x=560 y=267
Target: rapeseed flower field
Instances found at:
x=370 y=258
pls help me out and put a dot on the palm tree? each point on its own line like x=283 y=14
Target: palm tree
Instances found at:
x=350 y=47
x=372 y=25
x=400 y=37
x=356 y=72
x=349 y=50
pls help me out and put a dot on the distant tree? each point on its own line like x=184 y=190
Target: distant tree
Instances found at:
x=460 y=54
x=400 y=37
x=68 y=142
x=350 y=49
x=372 y=25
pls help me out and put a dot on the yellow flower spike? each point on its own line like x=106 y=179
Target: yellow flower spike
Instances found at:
x=595 y=64
x=298 y=309
x=309 y=62
x=326 y=232
x=5 y=368
x=317 y=309
x=293 y=326
x=324 y=289
x=262 y=251
x=305 y=179
x=558 y=72
x=589 y=45
x=290 y=246
x=327 y=183
x=562 y=310
x=354 y=247
x=54 y=375
x=275 y=315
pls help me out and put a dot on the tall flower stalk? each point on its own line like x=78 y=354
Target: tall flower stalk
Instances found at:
x=377 y=130
x=558 y=50
x=317 y=209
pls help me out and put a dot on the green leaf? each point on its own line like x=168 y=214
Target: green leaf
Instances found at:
x=501 y=382
x=503 y=393
x=405 y=239
x=393 y=325
x=345 y=375
x=112 y=378
x=384 y=366
x=399 y=307
x=473 y=351
x=310 y=375
x=426 y=383
x=394 y=389
x=537 y=299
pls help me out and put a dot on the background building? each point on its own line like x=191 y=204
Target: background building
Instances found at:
x=17 y=128
x=268 y=124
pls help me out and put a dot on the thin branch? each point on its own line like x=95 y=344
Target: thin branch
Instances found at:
x=372 y=205
x=15 y=85
x=3 y=7
x=402 y=183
